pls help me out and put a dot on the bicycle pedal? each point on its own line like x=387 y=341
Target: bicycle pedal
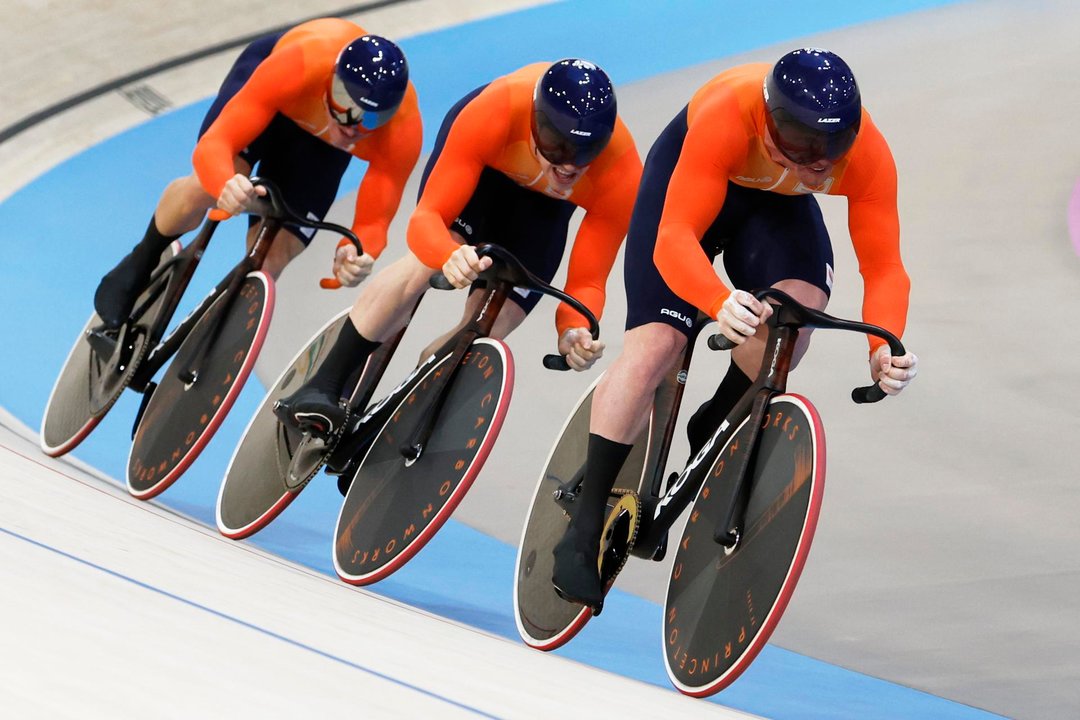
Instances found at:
x=565 y=500
x=564 y=495
x=567 y=492
x=346 y=449
x=103 y=340
x=596 y=609
x=339 y=468
x=344 y=482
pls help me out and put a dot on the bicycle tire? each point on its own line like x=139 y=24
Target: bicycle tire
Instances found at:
x=722 y=605
x=394 y=507
x=544 y=620
x=180 y=419
x=88 y=386
x=256 y=487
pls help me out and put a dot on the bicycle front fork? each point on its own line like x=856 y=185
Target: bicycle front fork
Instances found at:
x=728 y=533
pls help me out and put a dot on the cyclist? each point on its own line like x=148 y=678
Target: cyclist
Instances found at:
x=299 y=105
x=735 y=172
x=511 y=163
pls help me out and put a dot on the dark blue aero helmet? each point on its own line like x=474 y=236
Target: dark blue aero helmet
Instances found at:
x=373 y=74
x=573 y=112
x=812 y=105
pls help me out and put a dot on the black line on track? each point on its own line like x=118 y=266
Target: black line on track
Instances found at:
x=75 y=100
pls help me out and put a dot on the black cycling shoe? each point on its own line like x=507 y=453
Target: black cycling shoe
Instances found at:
x=576 y=577
x=117 y=292
x=311 y=410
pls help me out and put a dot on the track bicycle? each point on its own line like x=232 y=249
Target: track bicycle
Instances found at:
x=403 y=463
x=756 y=488
x=212 y=352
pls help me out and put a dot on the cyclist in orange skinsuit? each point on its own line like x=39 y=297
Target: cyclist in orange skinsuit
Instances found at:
x=735 y=172
x=512 y=162
x=299 y=105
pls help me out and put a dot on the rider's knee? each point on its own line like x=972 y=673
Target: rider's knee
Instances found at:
x=654 y=344
x=409 y=272
x=286 y=246
x=189 y=193
x=649 y=350
x=806 y=293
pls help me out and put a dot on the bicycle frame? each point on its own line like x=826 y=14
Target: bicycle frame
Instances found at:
x=505 y=274
x=187 y=261
x=359 y=434
x=228 y=289
x=105 y=343
x=274 y=213
x=661 y=511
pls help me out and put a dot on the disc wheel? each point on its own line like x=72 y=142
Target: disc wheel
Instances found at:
x=181 y=417
x=90 y=382
x=723 y=604
x=545 y=621
x=272 y=462
x=394 y=506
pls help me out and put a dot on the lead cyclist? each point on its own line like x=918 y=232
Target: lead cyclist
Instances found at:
x=735 y=173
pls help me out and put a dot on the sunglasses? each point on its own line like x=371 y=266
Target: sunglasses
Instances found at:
x=348 y=114
x=805 y=146
x=558 y=150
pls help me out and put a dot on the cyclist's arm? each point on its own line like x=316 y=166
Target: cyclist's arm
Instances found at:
x=598 y=239
x=380 y=192
x=480 y=126
x=874 y=224
x=695 y=195
x=445 y=195
x=246 y=115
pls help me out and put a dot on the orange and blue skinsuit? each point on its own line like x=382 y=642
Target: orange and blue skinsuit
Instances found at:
x=711 y=186
x=272 y=108
x=484 y=180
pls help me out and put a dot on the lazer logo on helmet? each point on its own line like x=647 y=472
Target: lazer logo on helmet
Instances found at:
x=813 y=106
x=574 y=113
x=369 y=102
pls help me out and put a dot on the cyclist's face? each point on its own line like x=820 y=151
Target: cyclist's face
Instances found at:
x=561 y=177
x=343 y=136
x=346 y=127
x=809 y=174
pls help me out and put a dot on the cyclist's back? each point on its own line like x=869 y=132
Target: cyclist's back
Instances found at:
x=292 y=81
x=735 y=173
x=297 y=107
x=725 y=135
